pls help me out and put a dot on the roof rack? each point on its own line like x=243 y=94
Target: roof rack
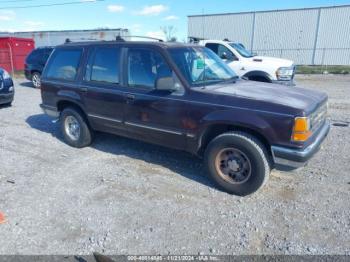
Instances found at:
x=68 y=40
x=118 y=38
x=195 y=40
x=145 y=37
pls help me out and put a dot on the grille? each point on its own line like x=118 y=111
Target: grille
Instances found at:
x=319 y=116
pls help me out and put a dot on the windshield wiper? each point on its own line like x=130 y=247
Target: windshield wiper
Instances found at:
x=232 y=79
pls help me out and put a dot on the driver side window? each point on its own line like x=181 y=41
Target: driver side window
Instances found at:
x=222 y=51
x=145 y=66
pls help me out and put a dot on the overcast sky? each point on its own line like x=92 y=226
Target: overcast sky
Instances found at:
x=142 y=17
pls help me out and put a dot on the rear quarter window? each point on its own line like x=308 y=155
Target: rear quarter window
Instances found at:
x=64 y=64
x=33 y=56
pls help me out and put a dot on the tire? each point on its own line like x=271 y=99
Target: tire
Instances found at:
x=259 y=79
x=6 y=104
x=36 y=79
x=244 y=152
x=75 y=129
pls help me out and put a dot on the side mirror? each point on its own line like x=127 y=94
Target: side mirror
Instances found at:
x=166 y=84
x=224 y=56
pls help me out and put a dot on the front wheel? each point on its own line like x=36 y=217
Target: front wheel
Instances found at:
x=238 y=163
x=75 y=129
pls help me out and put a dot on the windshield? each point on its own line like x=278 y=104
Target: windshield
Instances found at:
x=201 y=66
x=241 y=50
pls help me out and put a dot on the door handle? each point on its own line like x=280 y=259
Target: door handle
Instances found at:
x=130 y=97
x=83 y=89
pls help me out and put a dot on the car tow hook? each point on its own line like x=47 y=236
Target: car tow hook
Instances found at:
x=55 y=121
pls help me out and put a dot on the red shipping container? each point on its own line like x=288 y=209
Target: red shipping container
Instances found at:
x=13 y=52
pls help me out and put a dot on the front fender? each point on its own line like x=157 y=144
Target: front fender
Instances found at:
x=256 y=121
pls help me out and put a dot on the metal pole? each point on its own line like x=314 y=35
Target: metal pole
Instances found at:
x=11 y=60
x=323 y=55
x=316 y=36
x=253 y=33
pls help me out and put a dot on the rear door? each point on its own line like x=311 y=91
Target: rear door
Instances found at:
x=153 y=115
x=104 y=98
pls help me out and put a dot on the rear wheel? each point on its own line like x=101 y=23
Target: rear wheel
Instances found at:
x=36 y=79
x=238 y=163
x=75 y=129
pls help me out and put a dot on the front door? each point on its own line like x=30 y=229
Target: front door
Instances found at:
x=153 y=115
x=227 y=55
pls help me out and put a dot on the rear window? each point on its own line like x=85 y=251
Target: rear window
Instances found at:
x=34 y=56
x=64 y=64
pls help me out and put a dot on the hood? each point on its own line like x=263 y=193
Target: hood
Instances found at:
x=277 y=62
x=298 y=98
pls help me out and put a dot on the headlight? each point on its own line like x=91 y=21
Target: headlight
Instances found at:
x=302 y=129
x=285 y=73
x=5 y=75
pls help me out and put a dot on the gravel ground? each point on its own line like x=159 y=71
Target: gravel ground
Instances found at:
x=121 y=196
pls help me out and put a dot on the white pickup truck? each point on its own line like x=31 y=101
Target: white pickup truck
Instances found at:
x=252 y=67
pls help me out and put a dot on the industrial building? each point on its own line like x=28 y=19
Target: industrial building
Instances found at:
x=53 y=38
x=309 y=36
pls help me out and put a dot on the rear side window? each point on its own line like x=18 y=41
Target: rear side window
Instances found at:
x=64 y=64
x=46 y=55
x=104 y=65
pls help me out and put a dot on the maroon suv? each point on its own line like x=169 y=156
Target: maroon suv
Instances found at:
x=184 y=97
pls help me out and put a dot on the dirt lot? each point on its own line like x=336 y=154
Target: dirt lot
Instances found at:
x=120 y=196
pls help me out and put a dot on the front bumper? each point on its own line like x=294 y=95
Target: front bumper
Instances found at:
x=6 y=98
x=284 y=82
x=294 y=158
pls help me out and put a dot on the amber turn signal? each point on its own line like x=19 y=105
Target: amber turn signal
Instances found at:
x=301 y=131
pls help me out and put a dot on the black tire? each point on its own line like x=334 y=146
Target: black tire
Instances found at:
x=6 y=104
x=251 y=149
x=36 y=79
x=85 y=134
x=259 y=79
